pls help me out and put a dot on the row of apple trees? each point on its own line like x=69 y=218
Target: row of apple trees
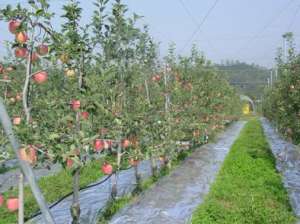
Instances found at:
x=282 y=100
x=81 y=91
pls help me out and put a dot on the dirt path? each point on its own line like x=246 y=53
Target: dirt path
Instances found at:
x=287 y=162
x=174 y=197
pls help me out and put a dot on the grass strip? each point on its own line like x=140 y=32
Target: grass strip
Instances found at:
x=248 y=189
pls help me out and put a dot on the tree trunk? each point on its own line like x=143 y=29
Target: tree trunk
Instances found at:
x=153 y=166
x=75 y=208
x=137 y=178
x=114 y=190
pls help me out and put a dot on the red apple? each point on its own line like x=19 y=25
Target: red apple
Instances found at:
x=70 y=163
x=40 y=77
x=98 y=145
x=75 y=104
x=28 y=154
x=85 y=115
x=13 y=25
x=42 y=49
x=125 y=143
x=17 y=120
x=21 y=52
x=156 y=78
x=1 y=200
x=12 y=204
x=107 y=168
x=21 y=37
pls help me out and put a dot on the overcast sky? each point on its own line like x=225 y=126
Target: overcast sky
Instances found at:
x=245 y=30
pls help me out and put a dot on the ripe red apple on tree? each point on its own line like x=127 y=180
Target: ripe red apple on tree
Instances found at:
x=125 y=143
x=13 y=25
x=107 y=168
x=21 y=52
x=22 y=37
x=17 y=120
x=40 y=77
x=1 y=200
x=28 y=154
x=42 y=49
x=12 y=204
x=70 y=163
x=98 y=145
x=75 y=104
x=156 y=78
x=85 y=115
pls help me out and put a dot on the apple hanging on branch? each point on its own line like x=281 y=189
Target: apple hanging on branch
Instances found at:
x=22 y=37
x=40 y=77
x=12 y=204
x=13 y=25
x=42 y=49
x=107 y=168
x=21 y=52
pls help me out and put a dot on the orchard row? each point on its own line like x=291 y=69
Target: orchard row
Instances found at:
x=100 y=89
x=282 y=99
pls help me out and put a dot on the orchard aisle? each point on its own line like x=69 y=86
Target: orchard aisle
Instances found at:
x=174 y=197
x=287 y=162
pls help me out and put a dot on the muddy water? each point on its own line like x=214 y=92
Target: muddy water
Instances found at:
x=287 y=162
x=174 y=197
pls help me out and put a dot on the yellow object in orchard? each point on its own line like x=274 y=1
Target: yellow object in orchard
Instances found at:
x=246 y=109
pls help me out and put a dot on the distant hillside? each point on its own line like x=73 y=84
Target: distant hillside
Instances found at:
x=249 y=79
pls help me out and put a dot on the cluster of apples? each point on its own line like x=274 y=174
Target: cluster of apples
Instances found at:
x=156 y=78
x=12 y=204
x=22 y=52
x=99 y=144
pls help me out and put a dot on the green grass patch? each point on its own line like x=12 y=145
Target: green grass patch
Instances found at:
x=248 y=189
x=53 y=187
